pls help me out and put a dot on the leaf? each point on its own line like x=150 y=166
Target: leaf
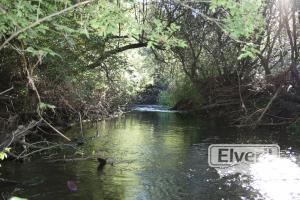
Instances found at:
x=3 y=155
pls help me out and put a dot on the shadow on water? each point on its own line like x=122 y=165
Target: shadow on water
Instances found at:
x=156 y=155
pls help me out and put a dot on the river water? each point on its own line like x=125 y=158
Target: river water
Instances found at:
x=158 y=154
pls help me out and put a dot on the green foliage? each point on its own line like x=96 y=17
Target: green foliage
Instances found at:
x=248 y=51
x=244 y=21
x=3 y=154
x=163 y=36
x=180 y=90
x=19 y=14
x=41 y=52
x=106 y=18
x=245 y=16
x=100 y=19
x=68 y=43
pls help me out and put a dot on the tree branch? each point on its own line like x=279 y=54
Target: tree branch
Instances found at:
x=115 y=51
x=9 y=89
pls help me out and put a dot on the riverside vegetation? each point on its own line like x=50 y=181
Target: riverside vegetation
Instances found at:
x=66 y=61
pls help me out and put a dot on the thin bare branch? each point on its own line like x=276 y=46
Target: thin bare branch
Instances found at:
x=9 y=89
x=57 y=131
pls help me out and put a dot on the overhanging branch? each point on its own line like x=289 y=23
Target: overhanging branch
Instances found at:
x=115 y=51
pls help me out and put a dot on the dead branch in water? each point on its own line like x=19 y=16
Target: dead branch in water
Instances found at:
x=71 y=159
x=57 y=131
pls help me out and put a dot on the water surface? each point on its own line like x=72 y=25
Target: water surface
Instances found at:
x=160 y=155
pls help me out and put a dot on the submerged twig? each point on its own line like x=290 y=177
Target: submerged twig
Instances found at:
x=72 y=159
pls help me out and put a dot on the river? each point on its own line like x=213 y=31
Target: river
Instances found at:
x=158 y=154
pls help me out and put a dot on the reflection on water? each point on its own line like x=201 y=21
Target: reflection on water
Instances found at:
x=157 y=155
x=152 y=108
x=277 y=178
x=271 y=178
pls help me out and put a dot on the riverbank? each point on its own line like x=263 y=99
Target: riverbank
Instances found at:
x=247 y=106
x=44 y=134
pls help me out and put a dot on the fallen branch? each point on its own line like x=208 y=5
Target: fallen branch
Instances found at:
x=267 y=107
x=57 y=131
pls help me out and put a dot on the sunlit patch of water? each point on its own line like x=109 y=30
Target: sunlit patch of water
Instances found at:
x=272 y=177
x=276 y=178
